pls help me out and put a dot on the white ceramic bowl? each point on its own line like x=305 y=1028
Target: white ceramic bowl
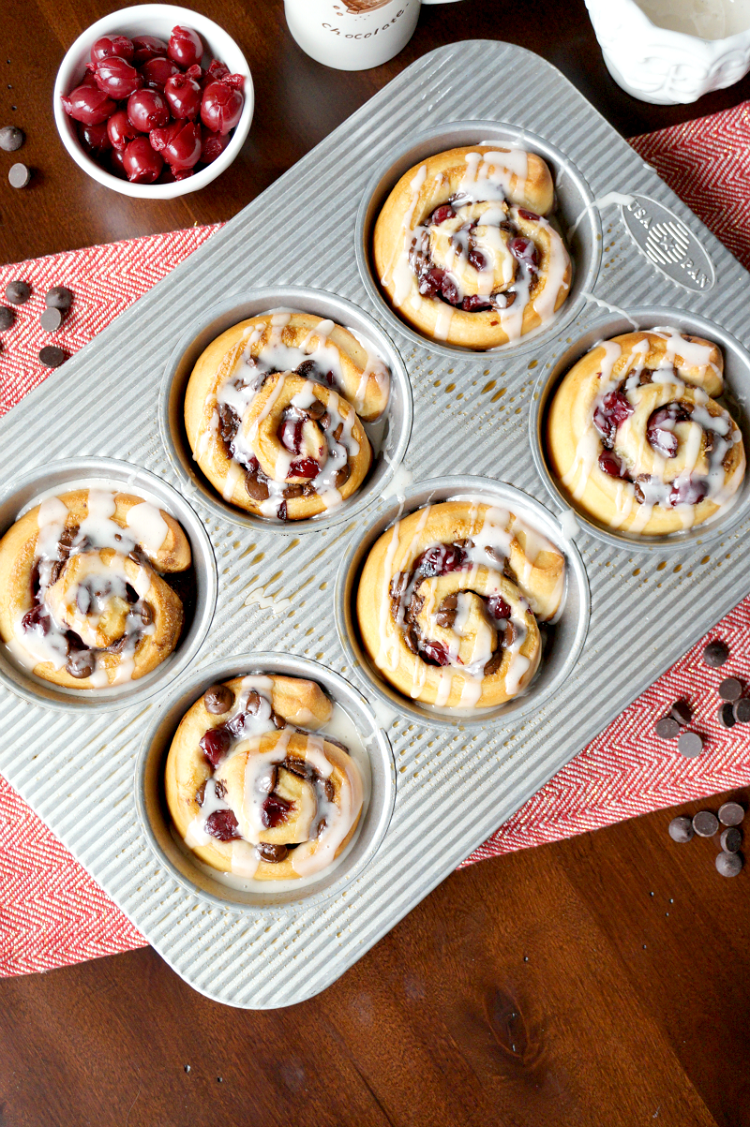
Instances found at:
x=668 y=67
x=151 y=19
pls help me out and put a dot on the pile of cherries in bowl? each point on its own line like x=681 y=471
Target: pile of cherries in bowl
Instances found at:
x=147 y=110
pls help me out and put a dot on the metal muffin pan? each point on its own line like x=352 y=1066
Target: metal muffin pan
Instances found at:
x=563 y=640
x=455 y=787
x=735 y=398
x=574 y=211
x=389 y=435
x=25 y=490
x=380 y=788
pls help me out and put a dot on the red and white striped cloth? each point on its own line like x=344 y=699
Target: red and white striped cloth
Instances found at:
x=52 y=913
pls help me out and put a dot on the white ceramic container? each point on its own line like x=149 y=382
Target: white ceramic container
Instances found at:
x=151 y=19
x=666 y=66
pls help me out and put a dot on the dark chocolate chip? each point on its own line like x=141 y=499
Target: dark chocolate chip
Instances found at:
x=52 y=356
x=279 y=721
x=147 y=614
x=51 y=320
x=725 y=715
x=667 y=728
x=715 y=654
x=705 y=823
x=681 y=712
x=256 y=489
x=218 y=699
x=730 y=689
x=742 y=710
x=328 y=788
x=731 y=814
x=731 y=840
x=80 y=664
x=7 y=317
x=297 y=766
x=59 y=297
x=690 y=744
x=11 y=138
x=729 y=864
x=17 y=292
x=316 y=409
x=265 y=851
x=19 y=175
x=494 y=663
x=341 y=476
x=681 y=829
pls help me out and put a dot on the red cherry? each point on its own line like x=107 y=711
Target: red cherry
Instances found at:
x=88 y=78
x=116 y=165
x=156 y=72
x=171 y=175
x=148 y=47
x=184 y=96
x=89 y=105
x=185 y=46
x=120 y=130
x=117 y=78
x=222 y=103
x=95 y=138
x=148 y=109
x=111 y=45
x=180 y=143
x=216 y=71
x=142 y=165
x=304 y=467
x=214 y=145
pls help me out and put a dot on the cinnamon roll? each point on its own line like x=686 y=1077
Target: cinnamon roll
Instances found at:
x=449 y=602
x=465 y=248
x=636 y=438
x=252 y=791
x=274 y=411
x=83 y=601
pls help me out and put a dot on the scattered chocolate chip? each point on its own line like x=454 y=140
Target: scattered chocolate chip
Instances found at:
x=342 y=476
x=328 y=788
x=265 y=851
x=316 y=409
x=59 y=297
x=705 y=823
x=729 y=864
x=52 y=356
x=218 y=699
x=731 y=814
x=297 y=766
x=725 y=715
x=731 y=840
x=7 y=317
x=494 y=663
x=17 y=292
x=681 y=829
x=742 y=710
x=730 y=689
x=715 y=654
x=19 y=175
x=690 y=744
x=667 y=728
x=11 y=138
x=681 y=712
x=51 y=320
x=147 y=614
x=279 y=721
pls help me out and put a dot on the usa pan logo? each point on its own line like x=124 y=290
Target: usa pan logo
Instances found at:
x=668 y=244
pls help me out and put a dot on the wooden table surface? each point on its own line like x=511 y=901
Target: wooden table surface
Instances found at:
x=599 y=981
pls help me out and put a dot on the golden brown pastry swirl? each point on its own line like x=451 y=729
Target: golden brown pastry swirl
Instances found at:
x=635 y=435
x=252 y=791
x=448 y=603
x=465 y=251
x=274 y=411
x=82 y=599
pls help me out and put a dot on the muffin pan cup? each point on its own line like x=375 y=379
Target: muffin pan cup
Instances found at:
x=61 y=477
x=389 y=434
x=735 y=398
x=563 y=640
x=456 y=783
x=380 y=788
x=574 y=212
